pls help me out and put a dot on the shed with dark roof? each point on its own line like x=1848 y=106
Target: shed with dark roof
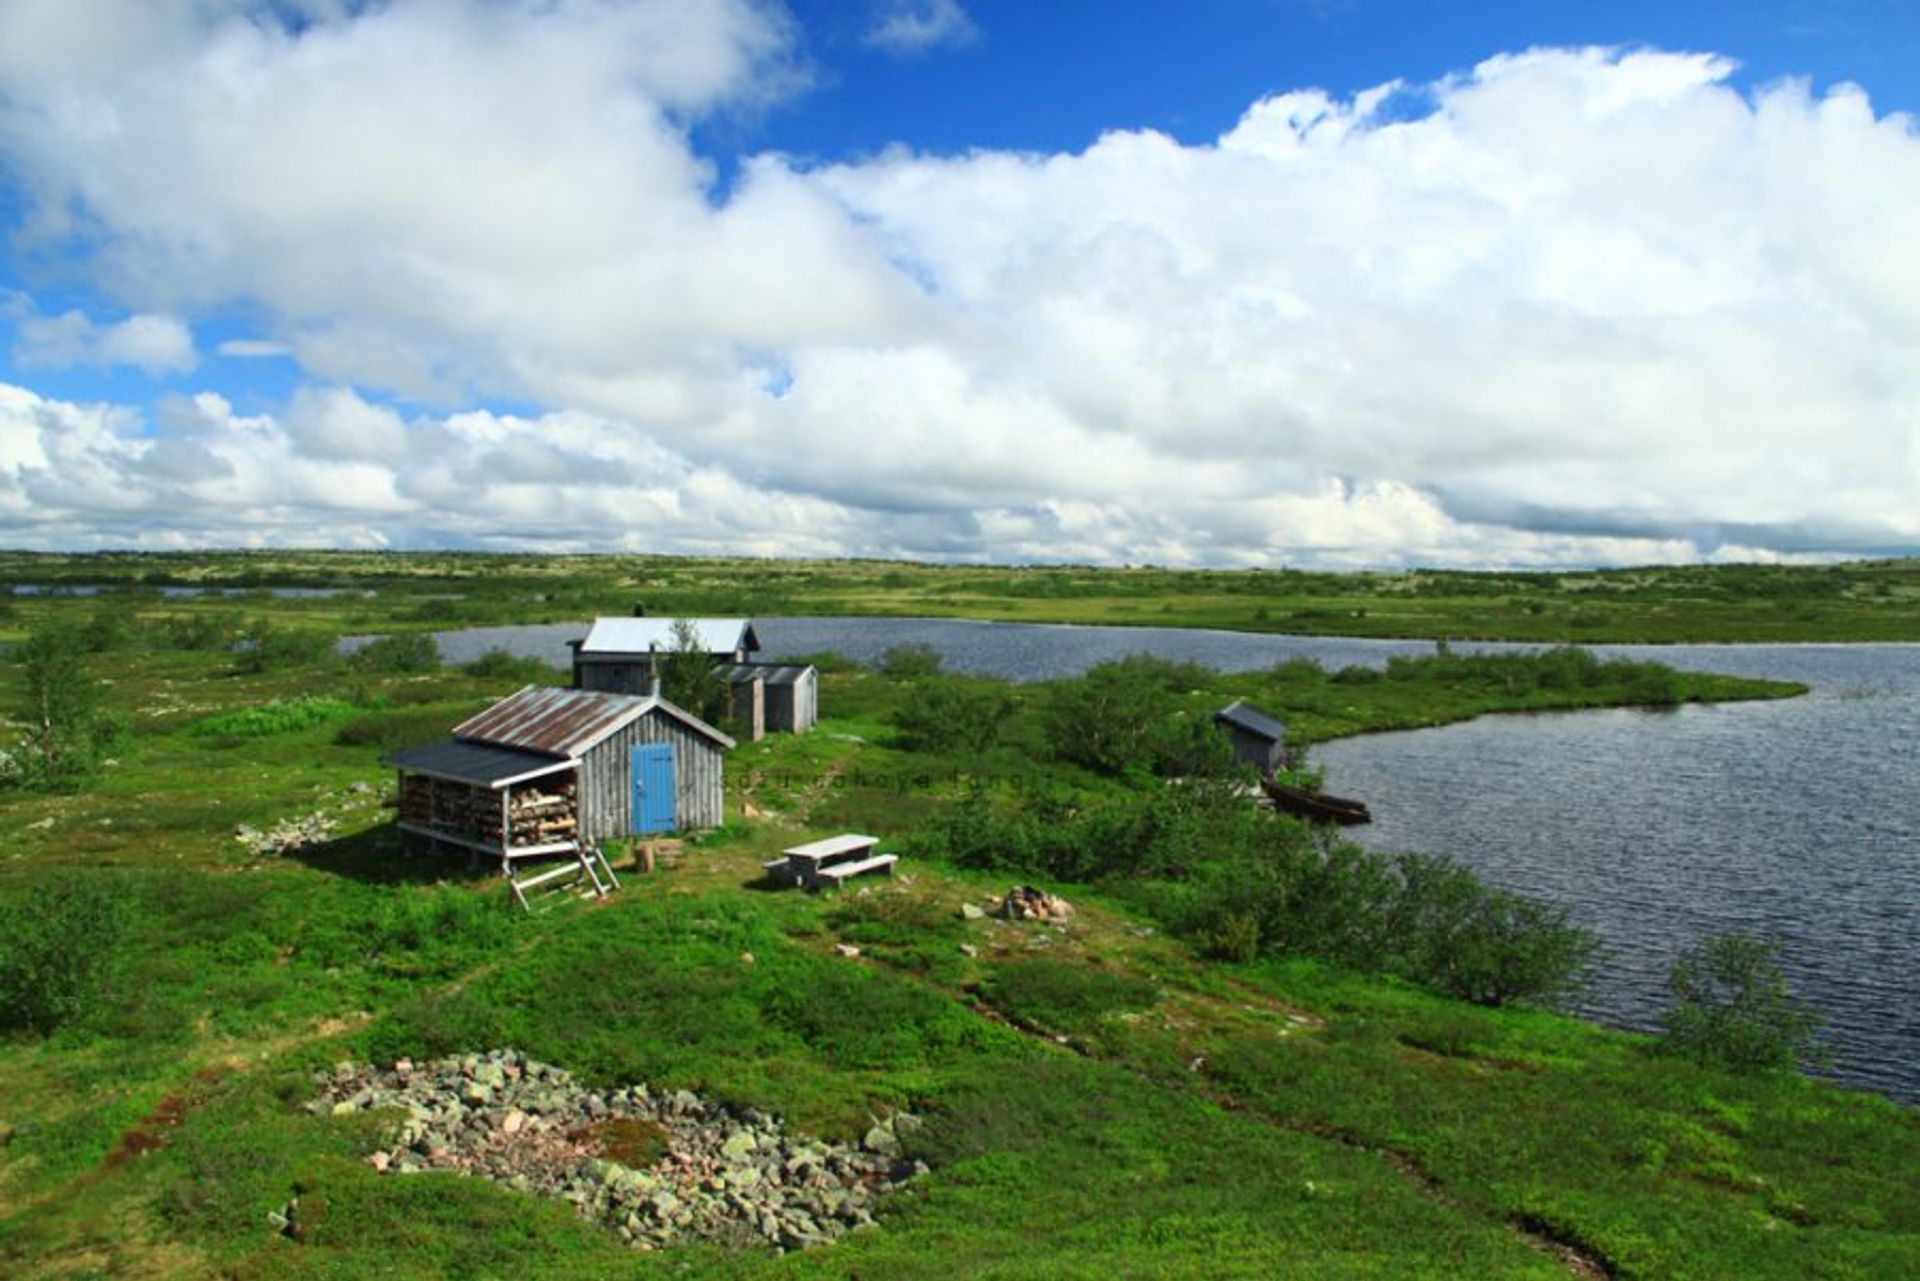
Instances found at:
x=773 y=698
x=1259 y=738
x=548 y=773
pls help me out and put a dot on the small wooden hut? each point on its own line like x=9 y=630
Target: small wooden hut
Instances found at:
x=1259 y=739
x=547 y=774
x=773 y=698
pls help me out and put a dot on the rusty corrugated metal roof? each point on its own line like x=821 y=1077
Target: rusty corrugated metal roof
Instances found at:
x=566 y=722
x=562 y=722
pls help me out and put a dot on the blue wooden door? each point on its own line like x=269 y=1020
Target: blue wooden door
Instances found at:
x=653 y=787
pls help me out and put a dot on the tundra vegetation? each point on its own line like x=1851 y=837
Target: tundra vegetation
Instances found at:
x=1252 y=1051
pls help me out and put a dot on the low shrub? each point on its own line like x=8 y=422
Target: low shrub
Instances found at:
x=402 y=654
x=498 y=664
x=1732 y=1008
x=909 y=662
x=197 y=632
x=60 y=947
x=266 y=647
x=955 y=715
x=390 y=731
x=276 y=717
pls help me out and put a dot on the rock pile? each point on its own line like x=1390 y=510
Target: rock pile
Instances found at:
x=287 y=835
x=654 y=1168
x=1025 y=903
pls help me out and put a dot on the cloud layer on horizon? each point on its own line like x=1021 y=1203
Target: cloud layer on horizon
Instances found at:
x=1573 y=306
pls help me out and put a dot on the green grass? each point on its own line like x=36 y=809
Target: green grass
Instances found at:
x=1275 y=1120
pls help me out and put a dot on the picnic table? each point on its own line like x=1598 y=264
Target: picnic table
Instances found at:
x=830 y=860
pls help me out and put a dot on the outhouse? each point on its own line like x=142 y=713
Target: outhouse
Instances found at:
x=1259 y=739
x=773 y=698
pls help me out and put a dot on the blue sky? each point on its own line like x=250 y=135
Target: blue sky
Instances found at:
x=963 y=279
x=1055 y=75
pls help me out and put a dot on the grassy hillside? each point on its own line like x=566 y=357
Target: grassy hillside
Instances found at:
x=1100 y=1099
x=1864 y=601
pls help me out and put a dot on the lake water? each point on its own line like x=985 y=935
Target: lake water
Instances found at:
x=282 y=593
x=1797 y=819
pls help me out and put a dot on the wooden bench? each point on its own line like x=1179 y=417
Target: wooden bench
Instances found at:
x=840 y=872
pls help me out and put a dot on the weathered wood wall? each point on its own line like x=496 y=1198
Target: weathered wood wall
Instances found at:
x=624 y=676
x=606 y=778
x=1263 y=754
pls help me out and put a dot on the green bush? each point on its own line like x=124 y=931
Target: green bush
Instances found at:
x=276 y=717
x=390 y=731
x=268 y=647
x=59 y=950
x=910 y=662
x=1121 y=719
x=198 y=632
x=948 y=715
x=689 y=677
x=402 y=654
x=498 y=664
x=1732 y=1008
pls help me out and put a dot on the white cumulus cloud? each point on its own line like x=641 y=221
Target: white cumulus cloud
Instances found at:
x=1586 y=305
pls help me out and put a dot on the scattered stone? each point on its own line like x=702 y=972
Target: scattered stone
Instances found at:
x=287 y=835
x=845 y=949
x=968 y=949
x=721 y=1174
x=972 y=912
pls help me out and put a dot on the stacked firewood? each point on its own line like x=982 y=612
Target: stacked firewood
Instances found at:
x=538 y=816
x=454 y=808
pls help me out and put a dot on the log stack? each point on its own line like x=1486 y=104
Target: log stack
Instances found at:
x=543 y=816
x=457 y=809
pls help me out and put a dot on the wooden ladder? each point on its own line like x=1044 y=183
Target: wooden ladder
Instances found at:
x=588 y=863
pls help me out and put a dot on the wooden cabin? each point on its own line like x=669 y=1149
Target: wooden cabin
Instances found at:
x=621 y=655
x=1259 y=739
x=547 y=774
x=617 y=654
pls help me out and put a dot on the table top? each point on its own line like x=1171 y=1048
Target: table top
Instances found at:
x=832 y=847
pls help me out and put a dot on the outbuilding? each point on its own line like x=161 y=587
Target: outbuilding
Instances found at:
x=773 y=698
x=550 y=773
x=622 y=655
x=618 y=654
x=1259 y=739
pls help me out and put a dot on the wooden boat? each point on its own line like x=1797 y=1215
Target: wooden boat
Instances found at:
x=1316 y=807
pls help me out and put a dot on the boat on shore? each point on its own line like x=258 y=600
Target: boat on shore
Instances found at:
x=1317 y=807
